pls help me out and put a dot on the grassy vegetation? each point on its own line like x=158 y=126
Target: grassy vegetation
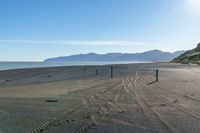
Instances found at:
x=191 y=56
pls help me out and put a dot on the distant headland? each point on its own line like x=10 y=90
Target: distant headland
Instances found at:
x=148 y=56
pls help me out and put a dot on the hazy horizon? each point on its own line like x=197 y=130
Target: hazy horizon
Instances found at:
x=35 y=30
x=86 y=54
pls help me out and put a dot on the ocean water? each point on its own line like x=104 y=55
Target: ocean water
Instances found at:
x=19 y=65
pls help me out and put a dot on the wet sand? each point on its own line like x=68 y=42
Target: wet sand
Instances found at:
x=75 y=99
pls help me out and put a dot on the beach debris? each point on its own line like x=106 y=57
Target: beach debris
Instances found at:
x=175 y=101
x=87 y=117
x=184 y=81
x=56 y=123
x=162 y=104
x=41 y=129
x=93 y=124
x=70 y=120
x=51 y=100
x=121 y=112
x=49 y=76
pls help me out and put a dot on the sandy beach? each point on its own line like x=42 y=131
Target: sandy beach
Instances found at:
x=81 y=99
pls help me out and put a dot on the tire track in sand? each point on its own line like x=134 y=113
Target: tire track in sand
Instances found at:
x=157 y=120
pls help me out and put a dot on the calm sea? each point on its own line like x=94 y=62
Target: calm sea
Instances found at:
x=19 y=65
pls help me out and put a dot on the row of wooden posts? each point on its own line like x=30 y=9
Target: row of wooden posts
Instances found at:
x=111 y=73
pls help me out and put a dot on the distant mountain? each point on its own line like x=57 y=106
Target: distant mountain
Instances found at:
x=153 y=55
x=190 y=56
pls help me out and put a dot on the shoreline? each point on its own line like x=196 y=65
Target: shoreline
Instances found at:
x=27 y=65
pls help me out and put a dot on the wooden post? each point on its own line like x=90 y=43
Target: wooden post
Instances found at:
x=156 y=75
x=96 y=71
x=111 y=71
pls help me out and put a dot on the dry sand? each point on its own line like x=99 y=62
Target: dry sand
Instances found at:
x=75 y=99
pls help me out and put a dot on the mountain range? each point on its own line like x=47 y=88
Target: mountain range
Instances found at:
x=148 y=56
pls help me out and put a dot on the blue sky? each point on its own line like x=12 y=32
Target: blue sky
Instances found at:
x=33 y=30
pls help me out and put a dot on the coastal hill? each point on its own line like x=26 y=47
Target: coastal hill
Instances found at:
x=191 y=56
x=148 y=56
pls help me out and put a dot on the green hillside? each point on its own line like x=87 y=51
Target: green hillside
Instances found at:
x=191 y=56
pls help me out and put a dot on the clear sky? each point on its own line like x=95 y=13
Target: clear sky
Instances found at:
x=33 y=30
